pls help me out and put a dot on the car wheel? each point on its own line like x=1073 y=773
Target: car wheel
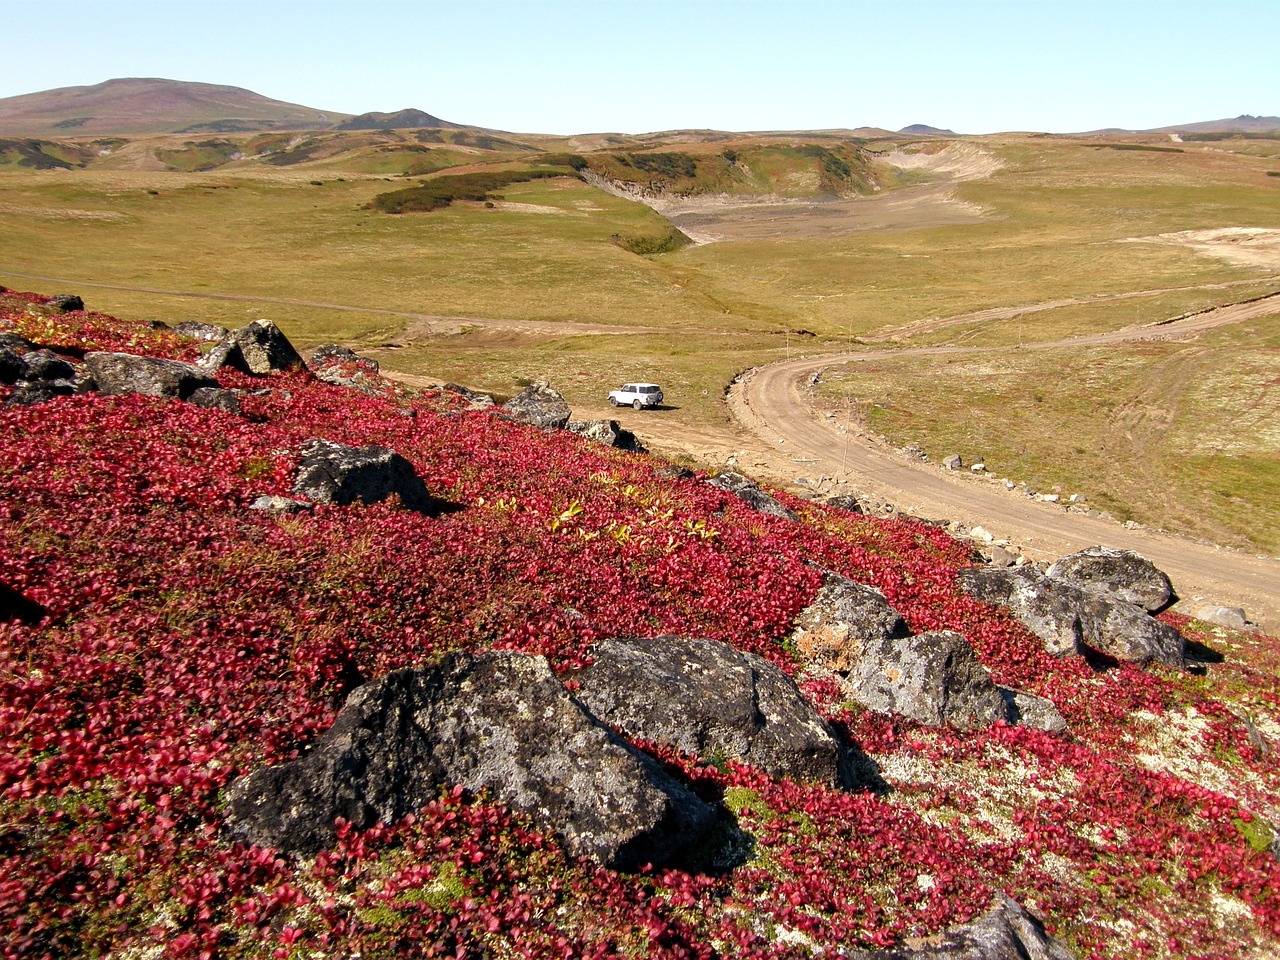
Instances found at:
x=637 y=404
x=613 y=401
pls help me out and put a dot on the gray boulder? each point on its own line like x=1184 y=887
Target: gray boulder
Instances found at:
x=1027 y=710
x=1052 y=615
x=330 y=353
x=335 y=473
x=607 y=432
x=709 y=699
x=343 y=367
x=195 y=330
x=1066 y=617
x=122 y=373
x=475 y=401
x=538 y=404
x=46 y=365
x=259 y=348
x=1118 y=574
x=1006 y=932
x=28 y=393
x=845 y=503
x=66 y=303
x=830 y=633
x=1233 y=617
x=934 y=678
x=750 y=493
x=215 y=398
x=498 y=721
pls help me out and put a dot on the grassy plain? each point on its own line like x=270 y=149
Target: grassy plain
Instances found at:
x=296 y=243
x=1177 y=435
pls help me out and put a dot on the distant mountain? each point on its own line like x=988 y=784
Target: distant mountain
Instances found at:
x=149 y=105
x=400 y=120
x=1241 y=124
x=923 y=129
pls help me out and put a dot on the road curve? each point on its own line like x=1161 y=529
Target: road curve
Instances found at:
x=773 y=403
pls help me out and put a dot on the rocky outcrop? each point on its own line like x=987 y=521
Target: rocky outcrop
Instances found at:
x=1117 y=574
x=1066 y=617
x=709 y=699
x=195 y=330
x=497 y=721
x=343 y=367
x=335 y=473
x=832 y=631
x=750 y=493
x=258 y=348
x=934 y=678
x=1006 y=932
x=539 y=405
x=608 y=432
x=66 y=303
x=123 y=373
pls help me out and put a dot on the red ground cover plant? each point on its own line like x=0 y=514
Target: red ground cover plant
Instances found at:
x=186 y=639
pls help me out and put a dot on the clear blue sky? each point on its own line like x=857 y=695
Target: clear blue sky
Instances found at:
x=551 y=66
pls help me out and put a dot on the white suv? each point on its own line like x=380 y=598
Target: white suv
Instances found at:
x=638 y=395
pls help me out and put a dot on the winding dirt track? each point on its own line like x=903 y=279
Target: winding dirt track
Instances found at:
x=773 y=404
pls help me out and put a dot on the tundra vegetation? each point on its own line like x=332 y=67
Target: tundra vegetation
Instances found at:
x=290 y=226
x=162 y=639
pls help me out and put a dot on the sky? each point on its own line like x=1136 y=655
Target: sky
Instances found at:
x=562 y=67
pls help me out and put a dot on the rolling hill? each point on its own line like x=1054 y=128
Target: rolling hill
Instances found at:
x=138 y=105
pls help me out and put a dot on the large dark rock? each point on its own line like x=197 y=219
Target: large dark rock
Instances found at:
x=46 y=365
x=711 y=700
x=932 y=677
x=28 y=393
x=540 y=405
x=844 y=502
x=121 y=373
x=335 y=473
x=1006 y=932
x=215 y=398
x=12 y=367
x=1066 y=617
x=67 y=302
x=608 y=432
x=258 y=348
x=831 y=631
x=750 y=492
x=1117 y=574
x=498 y=721
x=330 y=353
x=195 y=330
x=14 y=605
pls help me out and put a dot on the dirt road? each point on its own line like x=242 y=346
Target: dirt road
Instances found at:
x=774 y=404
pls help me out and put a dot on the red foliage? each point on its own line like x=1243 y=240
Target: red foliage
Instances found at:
x=189 y=639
